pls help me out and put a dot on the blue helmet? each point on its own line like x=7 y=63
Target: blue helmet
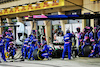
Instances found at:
x=68 y=31
x=78 y=28
x=33 y=31
x=25 y=42
x=91 y=28
x=45 y=42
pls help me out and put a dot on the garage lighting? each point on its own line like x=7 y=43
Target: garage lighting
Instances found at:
x=24 y=5
x=50 y=2
x=33 y=5
x=11 y=7
x=20 y=7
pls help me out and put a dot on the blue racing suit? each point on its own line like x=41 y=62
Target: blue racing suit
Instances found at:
x=98 y=34
x=12 y=50
x=86 y=41
x=47 y=51
x=43 y=41
x=96 y=50
x=91 y=35
x=8 y=39
x=67 y=45
x=2 y=49
x=32 y=37
x=32 y=48
x=79 y=38
x=25 y=48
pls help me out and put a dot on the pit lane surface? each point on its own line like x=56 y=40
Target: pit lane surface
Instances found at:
x=78 y=62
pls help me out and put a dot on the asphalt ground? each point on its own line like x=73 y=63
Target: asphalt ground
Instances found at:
x=77 y=62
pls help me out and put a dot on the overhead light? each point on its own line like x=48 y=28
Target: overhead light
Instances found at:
x=33 y=5
x=11 y=7
x=24 y=5
x=50 y=2
x=20 y=7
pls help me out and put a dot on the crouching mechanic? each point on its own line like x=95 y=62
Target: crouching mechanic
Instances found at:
x=96 y=50
x=33 y=46
x=67 y=44
x=2 y=49
x=47 y=51
x=11 y=50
